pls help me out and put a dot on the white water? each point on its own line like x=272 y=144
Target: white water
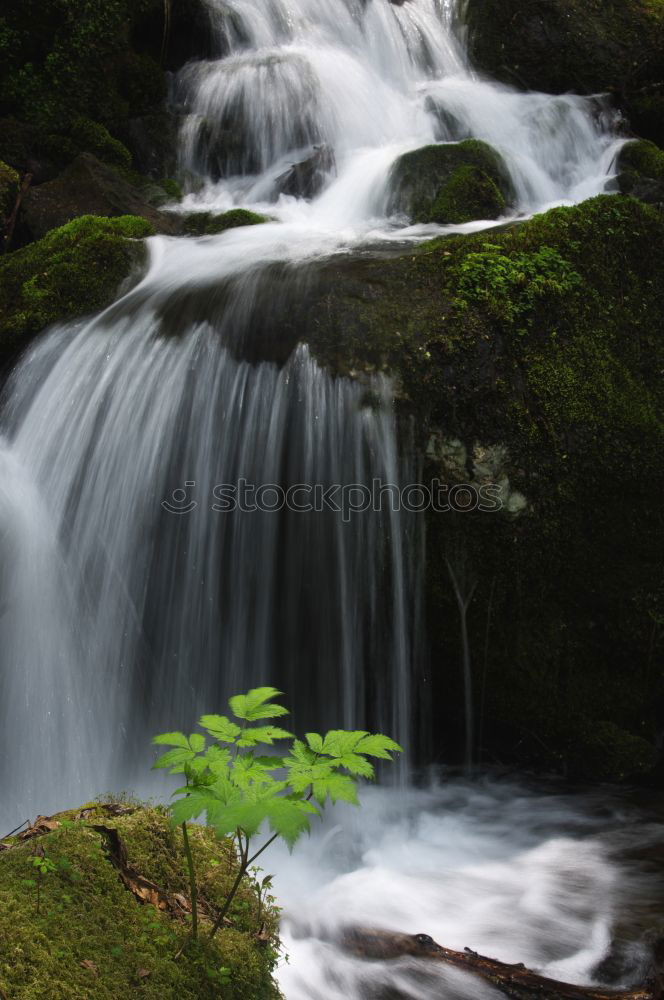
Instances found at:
x=120 y=619
x=516 y=873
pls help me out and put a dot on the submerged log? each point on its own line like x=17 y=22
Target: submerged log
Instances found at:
x=514 y=981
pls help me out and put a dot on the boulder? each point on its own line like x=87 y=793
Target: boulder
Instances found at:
x=306 y=178
x=210 y=224
x=641 y=171
x=74 y=270
x=86 y=187
x=450 y=183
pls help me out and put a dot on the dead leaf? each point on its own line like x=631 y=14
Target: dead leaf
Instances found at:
x=42 y=825
x=90 y=965
x=143 y=973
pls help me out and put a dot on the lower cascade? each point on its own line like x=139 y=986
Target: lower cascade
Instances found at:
x=188 y=495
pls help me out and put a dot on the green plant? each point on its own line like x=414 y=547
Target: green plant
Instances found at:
x=43 y=866
x=512 y=286
x=240 y=790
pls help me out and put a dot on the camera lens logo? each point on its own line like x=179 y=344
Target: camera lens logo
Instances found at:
x=179 y=502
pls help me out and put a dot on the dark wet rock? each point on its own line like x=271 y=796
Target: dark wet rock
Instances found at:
x=450 y=183
x=587 y=46
x=86 y=187
x=152 y=141
x=448 y=127
x=306 y=178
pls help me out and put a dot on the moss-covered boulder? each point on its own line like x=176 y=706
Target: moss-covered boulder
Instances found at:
x=531 y=359
x=209 y=223
x=73 y=271
x=86 y=187
x=450 y=183
x=588 y=46
x=112 y=917
x=641 y=171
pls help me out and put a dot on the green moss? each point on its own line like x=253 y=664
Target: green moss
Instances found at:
x=449 y=182
x=172 y=188
x=469 y=194
x=87 y=915
x=74 y=270
x=644 y=158
x=9 y=184
x=209 y=224
x=92 y=137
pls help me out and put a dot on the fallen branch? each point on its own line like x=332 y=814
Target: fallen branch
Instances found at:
x=514 y=981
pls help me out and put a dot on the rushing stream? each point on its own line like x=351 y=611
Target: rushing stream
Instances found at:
x=125 y=609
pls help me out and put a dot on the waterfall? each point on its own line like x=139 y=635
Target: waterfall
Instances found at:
x=121 y=616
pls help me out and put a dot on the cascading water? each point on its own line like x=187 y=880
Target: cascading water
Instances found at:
x=120 y=616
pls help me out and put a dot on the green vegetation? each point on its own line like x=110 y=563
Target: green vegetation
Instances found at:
x=241 y=790
x=63 y=59
x=209 y=224
x=450 y=183
x=113 y=915
x=72 y=271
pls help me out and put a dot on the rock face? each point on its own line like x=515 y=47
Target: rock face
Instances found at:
x=532 y=362
x=86 y=187
x=588 y=46
x=449 y=183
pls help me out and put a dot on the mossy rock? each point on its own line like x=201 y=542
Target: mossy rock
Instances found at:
x=9 y=185
x=86 y=187
x=641 y=171
x=542 y=343
x=469 y=194
x=91 y=936
x=95 y=138
x=209 y=224
x=73 y=271
x=450 y=183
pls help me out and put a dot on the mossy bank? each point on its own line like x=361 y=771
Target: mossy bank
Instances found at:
x=80 y=932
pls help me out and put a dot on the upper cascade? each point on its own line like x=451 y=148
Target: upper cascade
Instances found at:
x=341 y=88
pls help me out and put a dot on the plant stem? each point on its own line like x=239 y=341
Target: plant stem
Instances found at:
x=193 y=891
x=244 y=864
